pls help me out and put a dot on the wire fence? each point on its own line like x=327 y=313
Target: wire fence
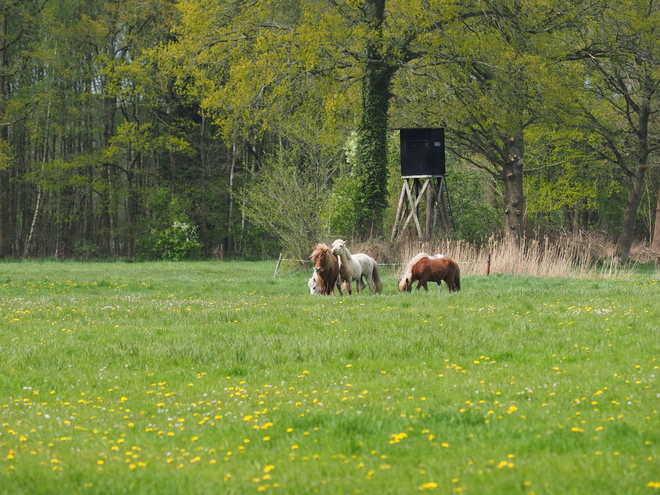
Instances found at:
x=281 y=259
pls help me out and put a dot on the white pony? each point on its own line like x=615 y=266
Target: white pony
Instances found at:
x=356 y=267
x=313 y=284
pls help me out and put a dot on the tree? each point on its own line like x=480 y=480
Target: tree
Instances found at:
x=379 y=70
x=19 y=21
x=620 y=52
x=256 y=63
x=491 y=81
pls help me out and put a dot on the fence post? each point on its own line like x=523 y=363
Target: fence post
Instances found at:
x=277 y=268
x=488 y=265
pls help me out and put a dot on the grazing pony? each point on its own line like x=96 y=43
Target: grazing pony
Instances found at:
x=326 y=269
x=356 y=267
x=313 y=284
x=423 y=268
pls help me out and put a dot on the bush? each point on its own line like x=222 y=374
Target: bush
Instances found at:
x=175 y=243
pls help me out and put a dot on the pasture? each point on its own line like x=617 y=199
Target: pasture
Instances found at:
x=217 y=377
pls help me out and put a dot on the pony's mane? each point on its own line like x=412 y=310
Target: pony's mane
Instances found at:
x=319 y=249
x=408 y=271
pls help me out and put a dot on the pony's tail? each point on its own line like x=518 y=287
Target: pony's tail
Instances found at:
x=377 y=281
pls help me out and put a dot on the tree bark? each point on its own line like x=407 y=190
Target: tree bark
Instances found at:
x=655 y=245
x=4 y=131
x=627 y=236
x=624 y=244
x=514 y=197
x=35 y=217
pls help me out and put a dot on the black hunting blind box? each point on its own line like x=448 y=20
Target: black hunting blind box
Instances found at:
x=422 y=152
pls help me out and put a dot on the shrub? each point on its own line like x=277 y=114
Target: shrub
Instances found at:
x=177 y=242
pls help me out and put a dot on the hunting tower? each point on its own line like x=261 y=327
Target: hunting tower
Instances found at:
x=423 y=174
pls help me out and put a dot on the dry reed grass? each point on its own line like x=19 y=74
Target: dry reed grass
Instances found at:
x=583 y=255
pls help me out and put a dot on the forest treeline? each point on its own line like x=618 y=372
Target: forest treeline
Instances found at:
x=179 y=128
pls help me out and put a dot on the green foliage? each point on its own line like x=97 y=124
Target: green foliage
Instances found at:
x=289 y=201
x=172 y=237
x=85 y=250
x=177 y=242
x=476 y=219
x=342 y=212
x=6 y=154
x=143 y=138
x=104 y=102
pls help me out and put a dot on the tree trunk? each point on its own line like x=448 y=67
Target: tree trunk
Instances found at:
x=104 y=218
x=372 y=134
x=28 y=241
x=4 y=131
x=627 y=236
x=105 y=226
x=655 y=245
x=228 y=243
x=514 y=198
x=637 y=180
x=131 y=212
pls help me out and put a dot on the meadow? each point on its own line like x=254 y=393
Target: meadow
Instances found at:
x=218 y=377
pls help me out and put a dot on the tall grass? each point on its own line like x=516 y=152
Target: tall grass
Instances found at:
x=567 y=256
x=217 y=377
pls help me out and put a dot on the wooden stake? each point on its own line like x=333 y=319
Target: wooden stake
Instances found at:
x=277 y=268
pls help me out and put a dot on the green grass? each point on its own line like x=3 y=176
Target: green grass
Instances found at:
x=217 y=377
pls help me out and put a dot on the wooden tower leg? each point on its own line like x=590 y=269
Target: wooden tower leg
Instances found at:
x=412 y=193
x=400 y=211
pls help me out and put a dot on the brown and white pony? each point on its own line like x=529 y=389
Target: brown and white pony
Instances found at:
x=357 y=267
x=326 y=269
x=424 y=268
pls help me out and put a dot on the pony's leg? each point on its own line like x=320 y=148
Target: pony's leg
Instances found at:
x=369 y=282
x=440 y=285
x=363 y=284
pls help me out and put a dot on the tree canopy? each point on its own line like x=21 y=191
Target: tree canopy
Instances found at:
x=121 y=120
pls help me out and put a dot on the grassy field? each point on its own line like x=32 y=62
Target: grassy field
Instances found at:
x=217 y=377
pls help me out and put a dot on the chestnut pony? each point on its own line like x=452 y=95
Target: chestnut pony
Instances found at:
x=424 y=268
x=326 y=269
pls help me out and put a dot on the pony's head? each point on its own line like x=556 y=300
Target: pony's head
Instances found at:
x=338 y=246
x=405 y=283
x=318 y=256
x=313 y=284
